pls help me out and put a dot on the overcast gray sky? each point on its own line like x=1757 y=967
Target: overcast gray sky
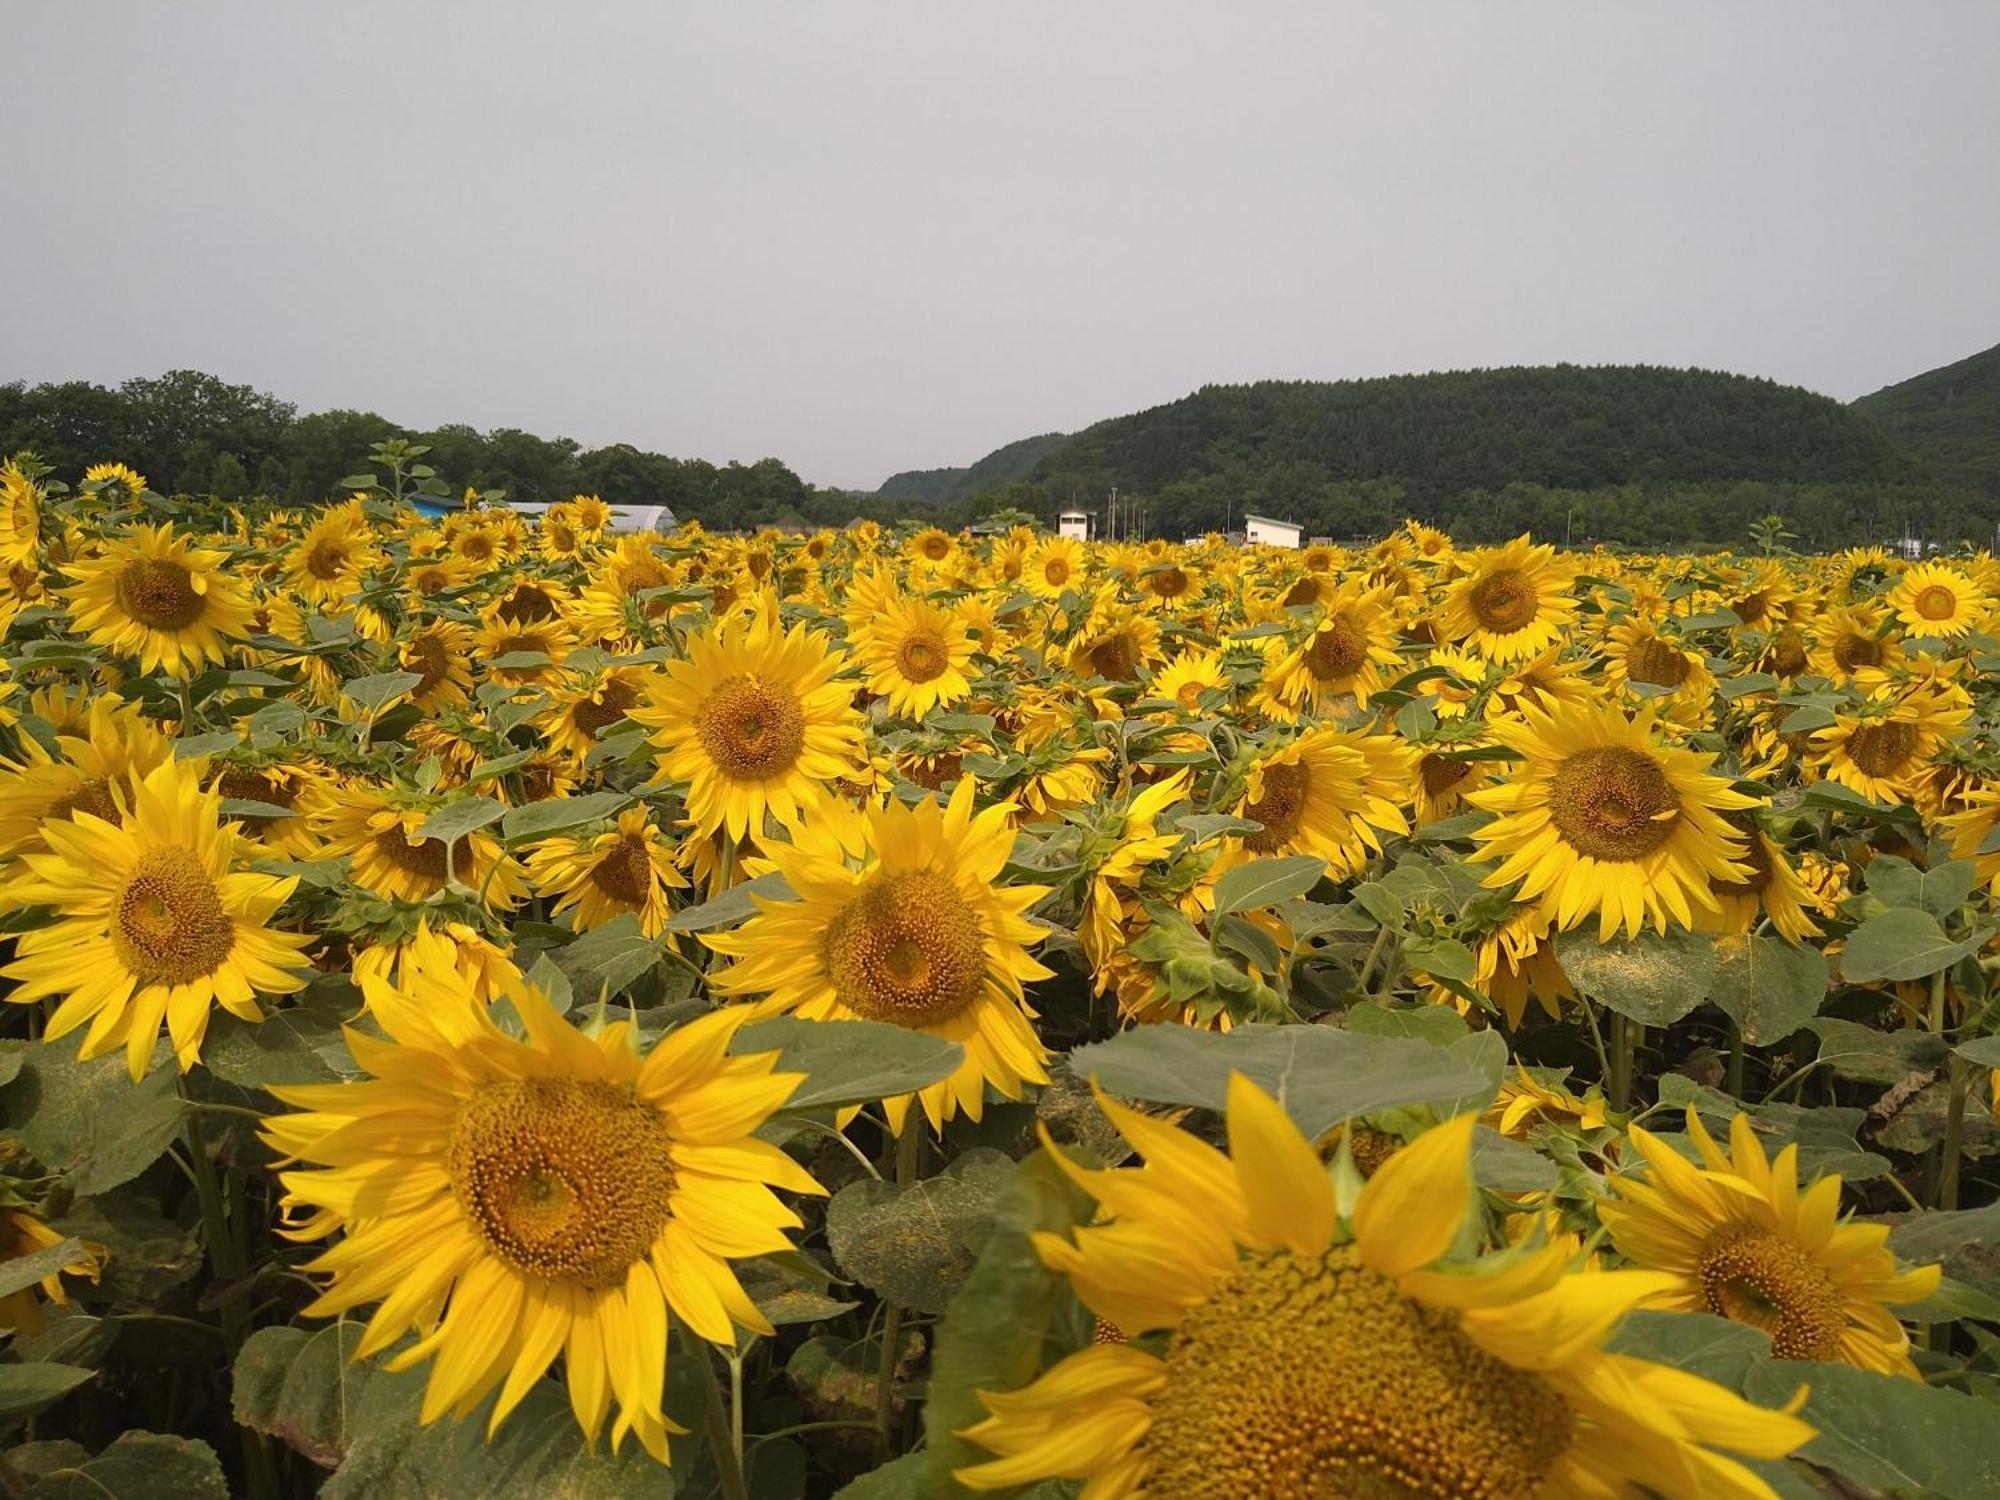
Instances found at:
x=863 y=237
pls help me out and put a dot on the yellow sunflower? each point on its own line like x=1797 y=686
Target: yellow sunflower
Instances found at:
x=1116 y=642
x=158 y=597
x=1056 y=565
x=1773 y=889
x=1188 y=677
x=20 y=517
x=754 y=720
x=512 y=1199
x=440 y=652
x=485 y=966
x=501 y=641
x=627 y=869
x=326 y=564
x=584 y=708
x=921 y=935
x=21 y=1233
x=378 y=829
x=1329 y=792
x=1342 y=656
x=1740 y=1239
x=1636 y=651
x=1858 y=643
x=1601 y=816
x=1881 y=749
x=1513 y=603
x=1286 y=1338
x=915 y=654
x=1937 y=600
x=157 y=923
x=114 y=743
x=115 y=482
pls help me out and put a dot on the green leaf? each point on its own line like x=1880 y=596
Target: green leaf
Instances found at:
x=249 y=807
x=89 y=1120
x=734 y=905
x=1320 y=1074
x=29 y=1388
x=1804 y=719
x=138 y=1466
x=26 y=1270
x=917 y=1244
x=1503 y=1166
x=1767 y=986
x=1439 y=1025
x=455 y=820
x=1903 y=943
x=1983 y=1051
x=1443 y=958
x=1870 y=1056
x=1266 y=882
x=1838 y=798
x=850 y=1062
x=295 y=1045
x=194 y=746
x=608 y=958
x=1899 y=1435
x=1940 y=891
x=301 y=1385
x=376 y=692
x=1653 y=978
x=540 y=820
x=1201 y=827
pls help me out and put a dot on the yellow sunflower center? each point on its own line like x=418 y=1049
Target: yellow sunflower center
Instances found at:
x=1884 y=748
x=1116 y=657
x=168 y=926
x=566 y=1180
x=1337 y=652
x=326 y=558
x=922 y=656
x=1612 y=803
x=1652 y=661
x=158 y=593
x=1412 y=1409
x=1936 y=602
x=1279 y=807
x=625 y=872
x=1755 y=1276
x=1504 y=601
x=612 y=703
x=906 y=949
x=752 y=729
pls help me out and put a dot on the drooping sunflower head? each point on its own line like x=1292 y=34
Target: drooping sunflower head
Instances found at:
x=1603 y=816
x=441 y=653
x=754 y=720
x=115 y=483
x=158 y=597
x=20 y=516
x=628 y=868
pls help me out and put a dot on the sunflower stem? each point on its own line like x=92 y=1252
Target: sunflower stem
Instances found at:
x=728 y=1458
x=1734 y=1082
x=892 y=1312
x=1623 y=1045
x=1954 y=1133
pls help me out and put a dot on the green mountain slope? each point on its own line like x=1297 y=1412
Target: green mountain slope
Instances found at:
x=1948 y=419
x=996 y=470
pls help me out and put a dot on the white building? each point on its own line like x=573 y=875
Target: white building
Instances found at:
x=1262 y=531
x=1073 y=523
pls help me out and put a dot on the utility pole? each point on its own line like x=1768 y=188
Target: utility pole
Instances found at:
x=1114 y=514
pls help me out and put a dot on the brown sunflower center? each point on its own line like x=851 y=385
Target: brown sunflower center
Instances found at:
x=93 y=797
x=1853 y=652
x=425 y=860
x=326 y=559
x=1279 y=807
x=256 y=786
x=922 y=656
x=1752 y=1275
x=168 y=925
x=527 y=605
x=1190 y=693
x=1613 y=803
x=158 y=593
x=1055 y=572
x=1652 y=661
x=1441 y=773
x=1305 y=592
x=610 y=706
x=1337 y=652
x=906 y=949
x=1116 y=657
x=1752 y=607
x=428 y=657
x=565 y=1180
x=1883 y=748
x=1168 y=583
x=1786 y=655
x=1414 y=1410
x=752 y=729
x=933 y=772
x=476 y=546
x=1936 y=602
x=625 y=872
x=1504 y=601
x=937 y=546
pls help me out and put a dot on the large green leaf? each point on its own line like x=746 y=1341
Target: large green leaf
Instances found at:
x=29 y=1388
x=916 y=1244
x=1321 y=1075
x=540 y=820
x=301 y=1385
x=455 y=820
x=737 y=904
x=1769 y=987
x=1903 y=943
x=1653 y=978
x=294 y=1045
x=138 y=1466
x=1899 y=1435
x=1941 y=890
x=26 y=1270
x=850 y=1062
x=1870 y=1056
x=89 y=1120
x=375 y=693
x=1266 y=882
x=604 y=960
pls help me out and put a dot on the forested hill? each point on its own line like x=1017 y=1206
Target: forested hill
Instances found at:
x=1948 y=419
x=999 y=468
x=1567 y=426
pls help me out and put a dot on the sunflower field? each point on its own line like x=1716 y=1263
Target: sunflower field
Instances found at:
x=498 y=1006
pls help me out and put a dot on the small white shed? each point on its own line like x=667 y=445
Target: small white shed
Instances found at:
x=1073 y=523
x=1262 y=531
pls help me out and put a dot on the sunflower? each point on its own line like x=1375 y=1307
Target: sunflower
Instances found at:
x=932 y=545
x=1055 y=566
x=915 y=654
x=921 y=935
x=502 y=642
x=486 y=967
x=1116 y=642
x=754 y=720
x=20 y=517
x=1189 y=677
x=1342 y=656
x=379 y=830
x=440 y=652
x=1517 y=963
x=512 y=1199
x=1442 y=780
x=1603 y=817
x=1742 y=1240
x=1513 y=603
x=1938 y=601
x=627 y=869
x=1857 y=643
x=1772 y=890
x=1282 y=1338
x=327 y=563
x=1881 y=749
x=1328 y=792
x=159 y=598
x=585 y=709
x=115 y=482
x=114 y=743
x=156 y=923
x=276 y=785
x=1638 y=652
x=1127 y=841
x=21 y=1233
